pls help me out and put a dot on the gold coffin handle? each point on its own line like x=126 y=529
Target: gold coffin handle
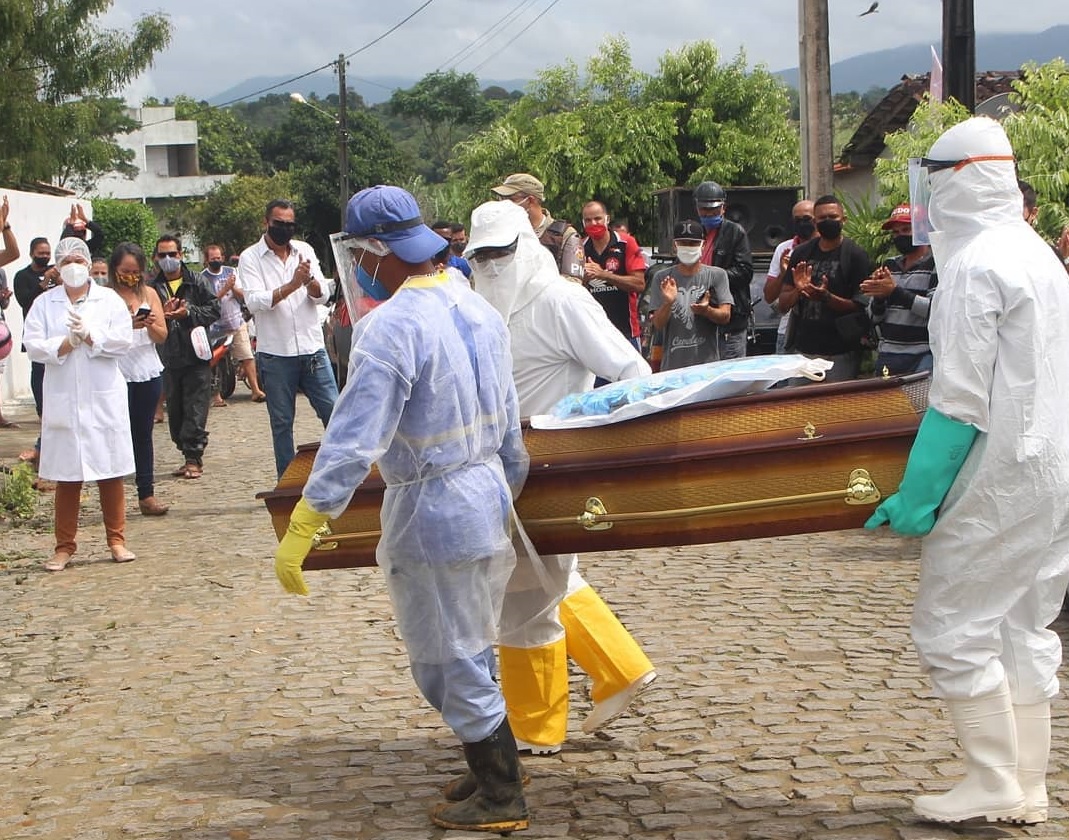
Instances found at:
x=860 y=490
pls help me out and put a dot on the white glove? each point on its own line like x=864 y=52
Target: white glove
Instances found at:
x=74 y=337
x=77 y=330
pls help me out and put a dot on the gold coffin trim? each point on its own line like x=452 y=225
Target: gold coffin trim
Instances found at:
x=860 y=490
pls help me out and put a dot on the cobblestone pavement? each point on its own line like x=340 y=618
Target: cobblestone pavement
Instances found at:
x=186 y=696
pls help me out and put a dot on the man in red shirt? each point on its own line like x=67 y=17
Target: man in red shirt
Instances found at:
x=614 y=272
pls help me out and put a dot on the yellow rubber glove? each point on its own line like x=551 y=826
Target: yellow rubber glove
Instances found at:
x=295 y=545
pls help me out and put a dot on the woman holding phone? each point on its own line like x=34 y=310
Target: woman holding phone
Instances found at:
x=141 y=367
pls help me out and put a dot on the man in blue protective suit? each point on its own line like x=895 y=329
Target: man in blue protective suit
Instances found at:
x=987 y=482
x=430 y=399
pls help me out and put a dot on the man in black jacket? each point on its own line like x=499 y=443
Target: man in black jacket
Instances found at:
x=188 y=303
x=822 y=290
x=727 y=246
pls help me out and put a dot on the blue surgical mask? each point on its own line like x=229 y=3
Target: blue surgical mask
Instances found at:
x=712 y=222
x=370 y=284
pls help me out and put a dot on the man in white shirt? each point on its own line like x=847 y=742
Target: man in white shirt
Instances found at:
x=283 y=284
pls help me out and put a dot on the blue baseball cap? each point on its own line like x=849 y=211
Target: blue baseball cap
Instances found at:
x=391 y=215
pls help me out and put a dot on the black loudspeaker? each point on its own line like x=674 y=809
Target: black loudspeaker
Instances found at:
x=763 y=212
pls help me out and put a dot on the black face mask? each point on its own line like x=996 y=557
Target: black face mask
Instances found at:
x=804 y=228
x=281 y=232
x=830 y=228
x=904 y=243
x=215 y=265
x=458 y=247
x=42 y=262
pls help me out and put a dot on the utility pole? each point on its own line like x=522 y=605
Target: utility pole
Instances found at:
x=959 y=52
x=343 y=140
x=814 y=97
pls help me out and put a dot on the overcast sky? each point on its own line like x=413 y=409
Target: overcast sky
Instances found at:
x=218 y=44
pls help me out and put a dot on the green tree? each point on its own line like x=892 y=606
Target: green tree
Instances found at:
x=232 y=214
x=1039 y=133
x=126 y=221
x=444 y=107
x=734 y=122
x=226 y=144
x=59 y=67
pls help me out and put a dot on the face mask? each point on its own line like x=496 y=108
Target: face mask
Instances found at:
x=100 y=279
x=42 y=262
x=215 y=265
x=904 y=243
x=492 y=269
x=688 y=254
x=804 y=228
x=74 y=275
x=169 y=265
x=458 y=247
x=830 y=228
x=712 y=222
x=280 y=232
x=128 y=279
x=595 y=231
x=370 y=283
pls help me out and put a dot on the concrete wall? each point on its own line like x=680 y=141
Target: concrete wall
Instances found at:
x=31 y=215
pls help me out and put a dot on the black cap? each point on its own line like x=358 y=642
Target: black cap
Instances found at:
x=688 y=229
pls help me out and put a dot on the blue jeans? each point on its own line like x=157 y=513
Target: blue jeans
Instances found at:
x=732 y=345
x=282 y=377
x=143 y=397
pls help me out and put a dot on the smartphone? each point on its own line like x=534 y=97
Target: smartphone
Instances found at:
x=143 y=311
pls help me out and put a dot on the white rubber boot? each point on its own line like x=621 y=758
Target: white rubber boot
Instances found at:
x=988 y=736
x=1033 y=751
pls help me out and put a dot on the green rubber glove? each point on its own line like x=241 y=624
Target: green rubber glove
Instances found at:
x=934 y=461
x=295 y=545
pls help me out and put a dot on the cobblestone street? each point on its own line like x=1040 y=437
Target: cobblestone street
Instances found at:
x=185 y=696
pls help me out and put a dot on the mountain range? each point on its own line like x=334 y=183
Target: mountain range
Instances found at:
x=883 y=68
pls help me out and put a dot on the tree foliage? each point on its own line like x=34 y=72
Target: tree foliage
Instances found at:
x=232 y=213
x=616 y=134
x=126 y=221
x=226 y=144
x=59 y=67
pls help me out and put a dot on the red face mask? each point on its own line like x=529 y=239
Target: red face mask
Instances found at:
x=595 y=231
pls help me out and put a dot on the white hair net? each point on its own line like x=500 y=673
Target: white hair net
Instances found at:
x=72 y=246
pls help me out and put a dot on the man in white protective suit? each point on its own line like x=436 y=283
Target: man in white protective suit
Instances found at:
x=430 y=399
x=987 y=481
x=561 y=338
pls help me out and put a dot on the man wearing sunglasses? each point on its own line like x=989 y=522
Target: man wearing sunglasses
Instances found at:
x=987 y=480
x=188 y=303
x=283 y=287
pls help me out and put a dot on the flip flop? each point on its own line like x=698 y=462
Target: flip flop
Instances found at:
x=260 y=398
x=193 y=471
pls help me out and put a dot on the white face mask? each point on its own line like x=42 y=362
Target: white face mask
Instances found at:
x=74 y=275
x=688 y=254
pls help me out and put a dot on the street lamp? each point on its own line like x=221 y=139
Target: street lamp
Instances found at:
x=343 y=150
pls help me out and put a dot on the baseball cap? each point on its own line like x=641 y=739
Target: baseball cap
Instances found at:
x=521 y=183
x=391 y=215
x=688 y=229
x=901 y=214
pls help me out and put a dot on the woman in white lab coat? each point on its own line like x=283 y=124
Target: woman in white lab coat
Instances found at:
x=79 y=330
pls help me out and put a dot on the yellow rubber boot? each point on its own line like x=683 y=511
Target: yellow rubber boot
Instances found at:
x=535 y=684
x=603 y=648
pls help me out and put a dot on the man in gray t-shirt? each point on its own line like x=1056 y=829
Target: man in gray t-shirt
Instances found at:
x=688 y=301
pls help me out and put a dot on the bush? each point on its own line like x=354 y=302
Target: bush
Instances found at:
x=17 y=494
x=126 y=221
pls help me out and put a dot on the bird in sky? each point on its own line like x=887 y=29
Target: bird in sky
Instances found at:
x=875 y=7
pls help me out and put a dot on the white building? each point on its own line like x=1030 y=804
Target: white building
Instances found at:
x=166 y=156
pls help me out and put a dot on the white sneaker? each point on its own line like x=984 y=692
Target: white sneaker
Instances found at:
x=537 y=749
x=607 y=711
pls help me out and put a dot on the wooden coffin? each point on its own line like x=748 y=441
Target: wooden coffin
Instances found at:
x=786 y=461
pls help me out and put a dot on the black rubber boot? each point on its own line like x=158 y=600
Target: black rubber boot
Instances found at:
x=497 y=803
x=464 y=786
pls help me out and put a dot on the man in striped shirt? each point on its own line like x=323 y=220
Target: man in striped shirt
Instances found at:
x=901 y=291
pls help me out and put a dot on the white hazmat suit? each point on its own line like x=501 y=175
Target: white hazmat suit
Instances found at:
x=560 y=338
x=994 y=567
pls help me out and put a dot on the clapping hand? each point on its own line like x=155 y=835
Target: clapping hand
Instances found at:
x=4 y=210
x=669 y=289
x=77 y=331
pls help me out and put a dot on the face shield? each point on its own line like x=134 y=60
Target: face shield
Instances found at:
x=360 y=286
x=920 y=193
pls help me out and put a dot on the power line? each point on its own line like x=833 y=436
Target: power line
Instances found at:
x=493 y=55
x=455 y=58
x=366 y=46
